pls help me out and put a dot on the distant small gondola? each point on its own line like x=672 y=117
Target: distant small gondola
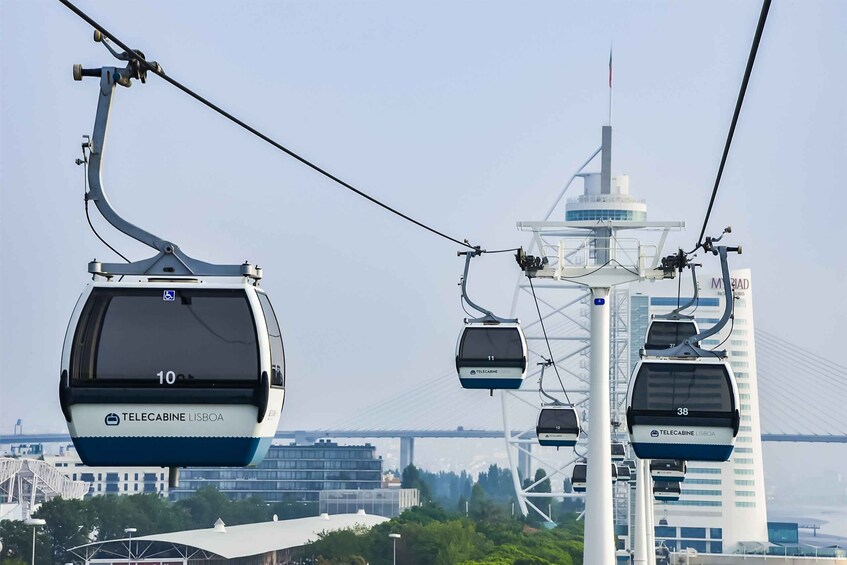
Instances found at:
x=558 y=426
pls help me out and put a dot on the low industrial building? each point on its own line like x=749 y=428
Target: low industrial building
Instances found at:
x=389 y=502
x=290 y=473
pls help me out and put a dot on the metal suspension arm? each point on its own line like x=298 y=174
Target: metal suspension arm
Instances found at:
x=170 y=260
x=488 y=316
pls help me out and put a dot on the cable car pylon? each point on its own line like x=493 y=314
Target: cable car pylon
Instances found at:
x=589 y=253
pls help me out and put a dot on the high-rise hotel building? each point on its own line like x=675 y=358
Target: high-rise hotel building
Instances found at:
x=722 y=504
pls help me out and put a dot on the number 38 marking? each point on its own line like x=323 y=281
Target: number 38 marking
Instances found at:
x=682 y=411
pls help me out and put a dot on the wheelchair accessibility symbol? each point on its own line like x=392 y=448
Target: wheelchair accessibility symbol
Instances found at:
x=169 y=295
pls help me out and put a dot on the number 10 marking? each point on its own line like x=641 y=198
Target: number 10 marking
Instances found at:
x=169 y=377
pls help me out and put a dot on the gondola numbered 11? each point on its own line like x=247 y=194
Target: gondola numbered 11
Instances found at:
x=491 y=351
x=172 y=367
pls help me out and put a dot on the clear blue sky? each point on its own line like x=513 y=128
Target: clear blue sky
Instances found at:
x=469 y=116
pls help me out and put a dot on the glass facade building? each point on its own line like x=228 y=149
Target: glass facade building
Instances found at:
x=725 y=500
x=388 y=502
x=290 y=473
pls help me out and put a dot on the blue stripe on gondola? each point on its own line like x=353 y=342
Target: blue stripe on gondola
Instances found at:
x=171 y=451
x=682 y=451
x=491 y=383
x=556 y=443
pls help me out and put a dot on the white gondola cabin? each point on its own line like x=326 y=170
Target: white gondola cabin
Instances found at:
x=172 y=373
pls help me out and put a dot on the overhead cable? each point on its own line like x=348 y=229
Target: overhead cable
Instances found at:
x=158 y=71
x=763 y=16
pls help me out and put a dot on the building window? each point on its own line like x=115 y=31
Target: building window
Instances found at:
x=745 y=407
x=745 y=493
x=743 y=461
x=745 y=418
x=744 y=396
x=745 y=504
x=698 y=533
x=717 y=546
x=740 y=353
x=738 y=342
x=743 y=449
x=743 y=386
x=704 y=470
x=739 y=364
x=703 y=481
x=744 y=483
x=700 y=492
x=694 y=502
x=743 y=471
x=697 y=545
x=716 y=533
x=665 y=532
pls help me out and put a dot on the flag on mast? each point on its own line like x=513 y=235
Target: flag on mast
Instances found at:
x=610 y=67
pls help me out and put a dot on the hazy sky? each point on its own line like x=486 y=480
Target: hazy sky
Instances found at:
x=469 y=116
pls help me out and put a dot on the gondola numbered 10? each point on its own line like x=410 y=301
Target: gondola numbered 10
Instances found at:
x=683 y=402
x=167 y=369
x=491 y=352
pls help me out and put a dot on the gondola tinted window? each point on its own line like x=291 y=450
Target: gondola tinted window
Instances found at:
x=551 y=418
x=491 y=344
x=275 y=337
x=669 y=386
x=189 y=336
x=663 y=335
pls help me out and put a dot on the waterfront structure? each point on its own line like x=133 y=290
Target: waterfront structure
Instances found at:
x=722 y=504
x=276 y=542
x=598 y=205
x=25 y=483
x=290 y=473
x=110 y=480
x=388 y=502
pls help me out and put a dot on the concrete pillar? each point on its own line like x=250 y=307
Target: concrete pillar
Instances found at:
x=407 y=452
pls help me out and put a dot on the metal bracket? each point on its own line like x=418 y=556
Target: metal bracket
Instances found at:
x=488 y=316
x=687 y=348
x=677 y=313
x=170 y=260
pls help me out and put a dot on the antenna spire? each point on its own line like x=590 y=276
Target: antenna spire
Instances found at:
x=610 y=83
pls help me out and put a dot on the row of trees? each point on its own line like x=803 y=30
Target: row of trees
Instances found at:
x=431 y=536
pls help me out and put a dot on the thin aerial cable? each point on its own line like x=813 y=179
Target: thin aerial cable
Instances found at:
x=84 y=163
x=155 y=69
x=763 y=16
x=547 y=341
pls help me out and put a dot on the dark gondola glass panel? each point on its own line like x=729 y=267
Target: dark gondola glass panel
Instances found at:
x=275 y=340
x=579 y=477
x=624 y=474
x=492 y=346
x=663 y=334
x=618 y=451
x=666 y=490
x=698 y=387
x=130 y=335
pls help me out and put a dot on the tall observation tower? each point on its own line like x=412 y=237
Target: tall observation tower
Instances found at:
x=595 y=204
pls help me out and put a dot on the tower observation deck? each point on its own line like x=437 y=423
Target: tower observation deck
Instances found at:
x=595 y=204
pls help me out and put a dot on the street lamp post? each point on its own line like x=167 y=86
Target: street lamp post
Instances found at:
x=129 y=531
x=34 y=522
x=394 y=537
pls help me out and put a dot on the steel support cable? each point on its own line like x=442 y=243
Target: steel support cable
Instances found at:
x=835 y=376
x=776 y=400
x=787 y=392
x=786 y=398
x=779 y=343
x=267 y=139
x=828 y=386
x=754 y=48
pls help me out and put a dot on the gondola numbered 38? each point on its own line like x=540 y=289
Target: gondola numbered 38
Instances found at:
x=683 y=402
x=491 y=352
x=166 y=370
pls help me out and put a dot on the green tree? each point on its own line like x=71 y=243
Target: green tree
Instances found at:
x=204 y=507
x=17 y=544
x=411 y=478
x=69 y=523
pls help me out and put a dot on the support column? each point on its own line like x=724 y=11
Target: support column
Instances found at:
x=639 y=543
x=651 y=521
x=407 y=452
x=599 y=528
x=525 y=462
